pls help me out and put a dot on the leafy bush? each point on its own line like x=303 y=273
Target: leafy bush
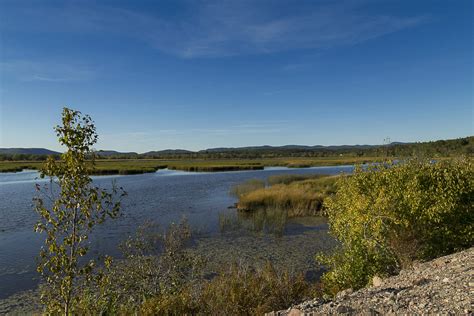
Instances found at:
x=388 y=215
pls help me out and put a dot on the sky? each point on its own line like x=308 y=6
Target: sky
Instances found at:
x=199 y=74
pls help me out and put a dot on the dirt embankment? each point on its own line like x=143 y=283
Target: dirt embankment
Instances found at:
x=441 y=286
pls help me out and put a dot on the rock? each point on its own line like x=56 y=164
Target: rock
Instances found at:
x=377 y=281
x=295 y=312
x=344 y=309
x=421 y=281
x=344 y=293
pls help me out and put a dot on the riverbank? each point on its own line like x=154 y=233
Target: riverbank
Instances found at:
x=139 y=166
x=165 y=189
x=442 y=286
x=164 y=197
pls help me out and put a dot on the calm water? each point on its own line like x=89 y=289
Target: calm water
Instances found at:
x=163 y=197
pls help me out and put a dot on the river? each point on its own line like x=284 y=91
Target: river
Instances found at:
x=162 y=197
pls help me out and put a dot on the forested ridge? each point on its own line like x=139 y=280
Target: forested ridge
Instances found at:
x=439 y=148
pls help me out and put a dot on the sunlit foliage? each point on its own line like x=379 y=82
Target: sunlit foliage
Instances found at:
x=69 y=208
x=388 y=215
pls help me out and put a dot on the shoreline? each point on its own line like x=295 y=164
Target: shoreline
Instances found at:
x=141 y=166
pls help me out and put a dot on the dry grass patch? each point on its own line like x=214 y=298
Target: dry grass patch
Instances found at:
x=298 y=198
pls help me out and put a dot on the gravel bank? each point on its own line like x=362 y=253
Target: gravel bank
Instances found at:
x=442 y=286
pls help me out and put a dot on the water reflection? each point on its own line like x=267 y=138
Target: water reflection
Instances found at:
x=264 y=221
x=273 y=221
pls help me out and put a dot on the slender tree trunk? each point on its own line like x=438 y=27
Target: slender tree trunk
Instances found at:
x=71 y=266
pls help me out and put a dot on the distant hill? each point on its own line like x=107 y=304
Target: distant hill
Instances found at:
x=168 y=152
x=27 y=151
x=108 y=153
x=288 y=148
x=439 y=148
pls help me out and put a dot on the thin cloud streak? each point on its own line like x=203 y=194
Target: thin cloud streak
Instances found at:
x=46 y=71
x=226 y=28
x=241 y=129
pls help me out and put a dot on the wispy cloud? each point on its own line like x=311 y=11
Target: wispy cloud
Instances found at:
x=246 y=128
x=46 y=71
x=225 y=28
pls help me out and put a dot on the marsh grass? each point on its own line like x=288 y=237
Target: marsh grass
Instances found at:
x=101 y=167
x=215 y=168
x=245 y=290
x=289 y=178
x=229 y=221
x=267 y=221
x=136 y=166
x=161 y=276
x=126 y=167
x=298 y=198
x=262 y=221
x=17 y=166
x=245 y=188
x=238 y=289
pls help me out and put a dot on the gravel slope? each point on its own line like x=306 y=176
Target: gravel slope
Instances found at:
x=442 y=286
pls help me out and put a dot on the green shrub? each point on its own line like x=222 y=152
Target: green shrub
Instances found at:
x=388 y=215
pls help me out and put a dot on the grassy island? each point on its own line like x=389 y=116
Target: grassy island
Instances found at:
x=298 y=195
x=137 y=166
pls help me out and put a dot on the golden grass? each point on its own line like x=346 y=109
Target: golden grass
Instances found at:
x=247 y=187
x=299 y=198
x=132 y=166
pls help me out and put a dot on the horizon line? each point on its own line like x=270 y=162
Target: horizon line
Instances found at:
x=253 y=146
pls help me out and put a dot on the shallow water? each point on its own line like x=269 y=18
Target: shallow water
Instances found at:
x=163 y=197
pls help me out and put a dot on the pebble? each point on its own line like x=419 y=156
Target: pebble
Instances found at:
x=377 y=281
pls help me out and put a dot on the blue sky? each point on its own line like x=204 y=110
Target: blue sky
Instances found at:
x=200 y=74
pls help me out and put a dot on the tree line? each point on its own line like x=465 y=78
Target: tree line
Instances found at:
x=440 y=148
